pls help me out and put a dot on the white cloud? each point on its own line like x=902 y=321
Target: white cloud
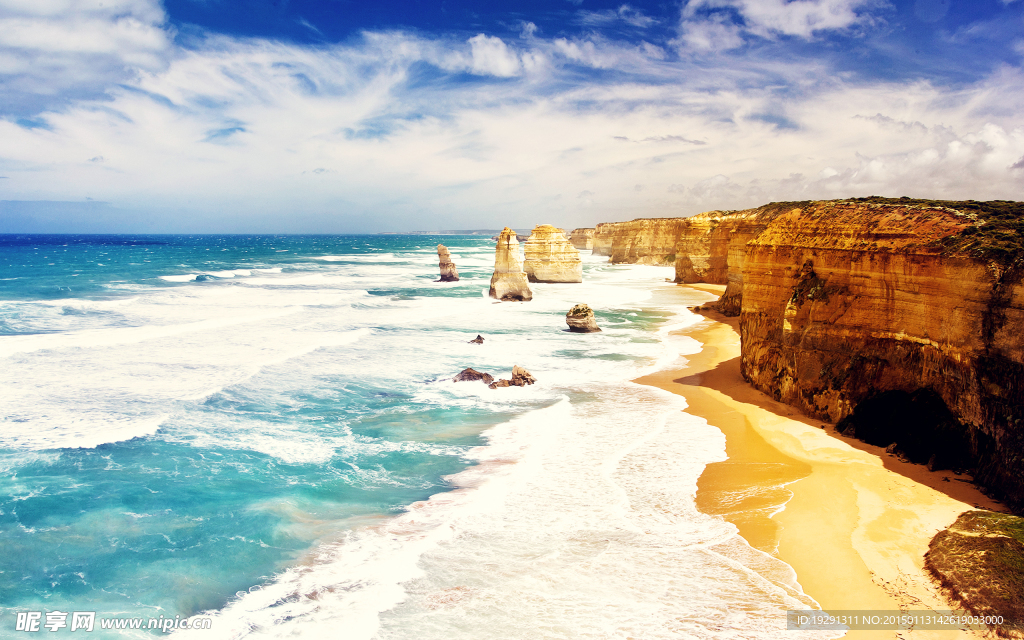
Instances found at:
x=251 y=134
x=625 y=13
x=709 y=35
x=491 y=56
x=61 y=47
x=718 y=25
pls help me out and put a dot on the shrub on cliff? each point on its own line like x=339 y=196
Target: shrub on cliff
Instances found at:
x=979 y=561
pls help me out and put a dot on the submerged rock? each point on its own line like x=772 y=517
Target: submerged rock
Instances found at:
x=448 y=271
x=520 y=378
x=469 y=375
x=479 y=339
x=550 y=257
x=581 y=319
x=509 y=281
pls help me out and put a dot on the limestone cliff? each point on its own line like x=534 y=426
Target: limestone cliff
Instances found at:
x=509 y=280
x=582 y=238
x=640 y=241
x=604 y=233
x=550 y=257
x=702 y=247
x=843 y=301
x=448 y=271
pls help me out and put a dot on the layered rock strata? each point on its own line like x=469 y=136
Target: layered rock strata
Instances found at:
x=842 y=301
x=550 y=257
x=640 y=241
x=581 y=319
x=448 y=271
x=509 y=281
x=582 y=238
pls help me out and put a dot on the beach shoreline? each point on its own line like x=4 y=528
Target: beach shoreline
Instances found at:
x=852 y=521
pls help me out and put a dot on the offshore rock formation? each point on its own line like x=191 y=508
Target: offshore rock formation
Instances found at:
x=550 y=257
x=479 y=339
x=448 y=271
x=509 y=281
x=582 y=238
x=841 y=301
x=470 y=375
x=581 y=319
x=641 y=241
x=520 y=378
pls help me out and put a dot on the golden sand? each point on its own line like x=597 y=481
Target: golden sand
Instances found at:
x=852 y=521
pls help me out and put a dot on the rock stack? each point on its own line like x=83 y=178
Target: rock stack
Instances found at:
x=581 y=319
x=582 y=238
x=509 y=281
x=448 y=271
x=550 y=257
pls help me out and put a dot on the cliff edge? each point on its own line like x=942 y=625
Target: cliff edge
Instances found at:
x=842 y=302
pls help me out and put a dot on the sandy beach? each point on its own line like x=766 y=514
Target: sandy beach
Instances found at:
x=853 y=521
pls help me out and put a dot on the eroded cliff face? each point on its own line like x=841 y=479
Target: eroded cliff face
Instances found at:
x=841 y=301
x=550 y=257
x=582 y=238
x=641 y=241
x=604 y=235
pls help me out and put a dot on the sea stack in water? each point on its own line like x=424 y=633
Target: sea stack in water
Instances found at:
x=550 y=257
x=448 y=271
x=581 y=319
x=509 y=281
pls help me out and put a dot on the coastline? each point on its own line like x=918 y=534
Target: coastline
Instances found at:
x=852 y=521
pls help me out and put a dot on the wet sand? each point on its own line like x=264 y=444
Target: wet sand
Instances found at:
x=853 y=521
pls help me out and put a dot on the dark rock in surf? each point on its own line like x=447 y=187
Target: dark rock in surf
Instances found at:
x=469 y=375
x=520 y=378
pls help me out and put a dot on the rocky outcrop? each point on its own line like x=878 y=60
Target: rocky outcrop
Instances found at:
x=448 y=271
x=550 y=257
x=701 y=249
x=520 y=378
x=641 y=241
x=844 y=300
x=509 y=281
x=479 y=339
x=582 y=238
x=581 y=319
x=604 y=234
x=472 y=375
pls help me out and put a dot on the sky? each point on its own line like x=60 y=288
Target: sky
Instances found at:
x=347 y=116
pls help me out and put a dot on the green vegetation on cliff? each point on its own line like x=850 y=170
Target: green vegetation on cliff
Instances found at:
x=979 y=561
x=997 y=235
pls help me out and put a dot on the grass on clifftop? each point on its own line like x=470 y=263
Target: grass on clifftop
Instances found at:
x=998 y=237
x=979 y=561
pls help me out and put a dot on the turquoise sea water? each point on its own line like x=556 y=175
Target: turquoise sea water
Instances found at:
x=264 y=431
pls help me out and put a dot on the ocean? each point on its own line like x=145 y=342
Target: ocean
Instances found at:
x=263 y=432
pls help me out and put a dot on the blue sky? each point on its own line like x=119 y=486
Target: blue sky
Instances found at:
x=343 y=116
